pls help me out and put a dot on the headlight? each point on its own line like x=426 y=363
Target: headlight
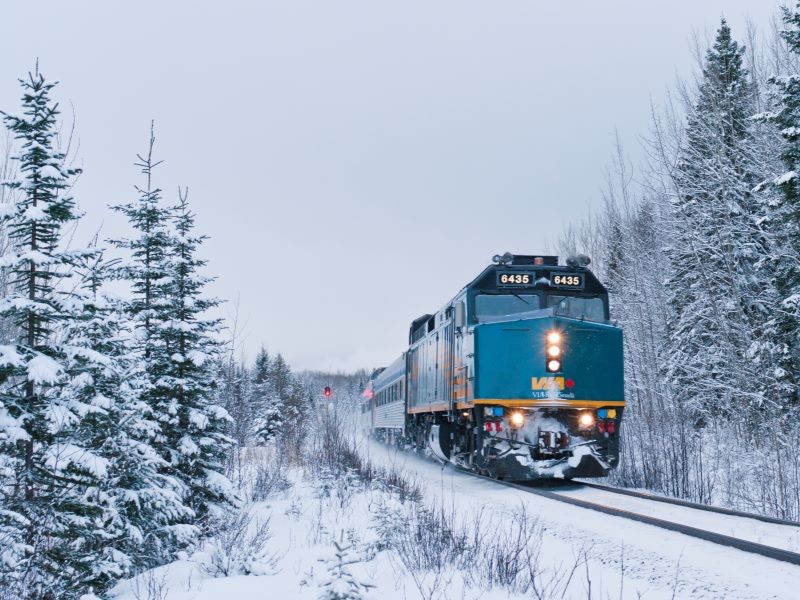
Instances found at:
x=586 y=420
x=554 y=366
x=553 y=351
x=554 y=337
x=517 y=419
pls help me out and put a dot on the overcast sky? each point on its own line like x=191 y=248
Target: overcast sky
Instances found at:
x=357 y=162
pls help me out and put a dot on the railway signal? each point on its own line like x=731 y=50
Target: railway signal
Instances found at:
x=328 y=391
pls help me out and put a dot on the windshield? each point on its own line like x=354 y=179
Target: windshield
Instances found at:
x=589 y=309
x=491 y=306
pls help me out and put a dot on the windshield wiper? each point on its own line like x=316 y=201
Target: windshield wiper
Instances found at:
x=520 y=297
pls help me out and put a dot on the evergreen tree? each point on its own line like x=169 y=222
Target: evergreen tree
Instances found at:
x=195 y=431
x=123 y=495
x=45 y=472
x=716 y=241
x=236 y=396
x=147 y=270
x=151 y=310
x=784 y=223
x=267 y=405
x=339 y=582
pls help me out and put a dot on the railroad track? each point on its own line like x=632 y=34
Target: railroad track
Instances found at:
x=745 y=545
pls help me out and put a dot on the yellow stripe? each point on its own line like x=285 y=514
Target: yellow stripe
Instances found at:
x=560 y=402
x=549 y=402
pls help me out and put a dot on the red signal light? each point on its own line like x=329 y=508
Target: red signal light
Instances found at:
x=327 y=391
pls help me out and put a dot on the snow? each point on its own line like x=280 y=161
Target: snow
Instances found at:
x=60 y=456
x=769 y=534
x=197 y=357
x=609 y=554
x=43 y=370
x=6 y=209
x=50 y=172
x=198 y=419
x=9 y=356
x=653 y=558
x=786 y=178
x=34 y=213
x=34 y=256
x=188 y=447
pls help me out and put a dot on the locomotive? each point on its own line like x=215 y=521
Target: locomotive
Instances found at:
x=518 y=377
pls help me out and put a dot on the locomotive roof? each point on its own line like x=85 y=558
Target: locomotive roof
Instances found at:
x=539 y=266
x=487 y=279
x=390 y=374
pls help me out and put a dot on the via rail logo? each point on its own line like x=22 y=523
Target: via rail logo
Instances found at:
x=552 y=387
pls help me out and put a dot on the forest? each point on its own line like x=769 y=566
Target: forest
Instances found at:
x=699 y=247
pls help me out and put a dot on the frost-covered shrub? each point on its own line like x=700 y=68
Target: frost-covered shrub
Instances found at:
x=398 y=483
x=270 y=477
x=432 y=539
x=241 y=546
x=509 y=557
x=150 y=585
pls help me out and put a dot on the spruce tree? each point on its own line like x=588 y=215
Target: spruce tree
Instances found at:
x=716 y=242
x=133 y=504
x=236 y=396
x=45 y=468
x=784 y=223
x=196 y=430
x=266 y=403
x=150 y=310
x=339 y=582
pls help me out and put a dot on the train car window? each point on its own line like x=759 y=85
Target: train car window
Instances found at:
x=574 y=307
x=489 y=306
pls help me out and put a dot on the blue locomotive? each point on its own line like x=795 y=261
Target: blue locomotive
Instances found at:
x=519 y=376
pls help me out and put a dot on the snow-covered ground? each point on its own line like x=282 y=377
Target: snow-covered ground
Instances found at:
x=574 y=552
x=654 y=561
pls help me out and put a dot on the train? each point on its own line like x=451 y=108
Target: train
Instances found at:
x=520 y=376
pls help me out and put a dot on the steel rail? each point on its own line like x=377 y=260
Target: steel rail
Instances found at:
x=709 y=536
x=686 y=503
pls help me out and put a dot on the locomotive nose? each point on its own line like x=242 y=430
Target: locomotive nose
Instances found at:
x=549 y=358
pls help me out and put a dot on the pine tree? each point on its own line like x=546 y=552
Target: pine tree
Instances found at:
x=716 y=241
x=150 y=310
x=267 y=405
x=784 y=224
x=45 y=470
x=125 y=496
x=339 y=582
x=195 y=433
x=236 y=396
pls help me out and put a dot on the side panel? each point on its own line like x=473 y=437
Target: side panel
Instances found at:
x=445 y=375
x=390 y=415
x=431 y=371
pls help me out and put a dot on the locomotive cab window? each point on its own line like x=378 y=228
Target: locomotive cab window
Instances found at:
x=576 y=307
x=491 y=306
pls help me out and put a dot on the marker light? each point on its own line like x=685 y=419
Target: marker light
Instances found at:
x=554 y=337
x=517 y=419
x=554 y=366
x=586 y=420
x=553 y=351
